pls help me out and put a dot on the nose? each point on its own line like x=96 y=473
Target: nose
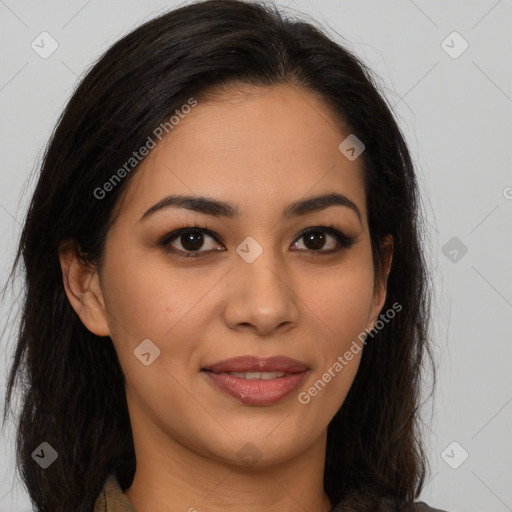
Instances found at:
x=261 y=296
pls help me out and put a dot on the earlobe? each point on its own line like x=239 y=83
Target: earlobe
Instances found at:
x=82 y=286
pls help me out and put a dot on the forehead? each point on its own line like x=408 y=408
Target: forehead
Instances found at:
x=254 y=147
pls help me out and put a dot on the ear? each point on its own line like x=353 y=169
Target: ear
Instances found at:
x=380 y=287
x=82 y=285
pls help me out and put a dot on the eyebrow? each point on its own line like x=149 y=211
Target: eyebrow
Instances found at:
x=218 y=208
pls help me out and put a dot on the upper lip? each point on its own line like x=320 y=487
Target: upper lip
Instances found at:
x=257 y=364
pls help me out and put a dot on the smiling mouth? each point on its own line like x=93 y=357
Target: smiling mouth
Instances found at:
x=257 y=375
x=257 y=381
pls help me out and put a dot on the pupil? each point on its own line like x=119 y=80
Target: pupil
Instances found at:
x=315 y=240
x=192 y=241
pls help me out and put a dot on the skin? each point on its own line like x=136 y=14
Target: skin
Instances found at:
x=261 y=151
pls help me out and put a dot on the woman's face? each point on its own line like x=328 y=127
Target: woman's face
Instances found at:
x=252 y=285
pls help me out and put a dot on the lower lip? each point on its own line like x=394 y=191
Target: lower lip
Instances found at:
x=257 y=391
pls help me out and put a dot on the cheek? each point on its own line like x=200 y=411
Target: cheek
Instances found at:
x=341 y=300
x=341 y=303
x=341 y=297
x=148 y=301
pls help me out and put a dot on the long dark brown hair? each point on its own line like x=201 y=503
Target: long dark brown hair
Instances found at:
x=71 y=383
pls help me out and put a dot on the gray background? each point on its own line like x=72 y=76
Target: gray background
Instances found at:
x=455 y=114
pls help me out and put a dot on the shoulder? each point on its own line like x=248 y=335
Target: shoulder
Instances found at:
x=384 y=504
x=421 y=506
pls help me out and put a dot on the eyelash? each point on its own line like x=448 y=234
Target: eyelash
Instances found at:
x=343 y=240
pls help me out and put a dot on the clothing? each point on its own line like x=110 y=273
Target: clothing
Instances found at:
x=113 y=499
x=387 y=504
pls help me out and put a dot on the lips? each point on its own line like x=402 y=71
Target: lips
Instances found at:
x=257 y=381
x=258 y=364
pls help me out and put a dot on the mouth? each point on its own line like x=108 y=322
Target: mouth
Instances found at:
x=256 y=381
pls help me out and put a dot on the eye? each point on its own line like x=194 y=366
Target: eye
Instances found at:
x=188 y=240
x=315 y=239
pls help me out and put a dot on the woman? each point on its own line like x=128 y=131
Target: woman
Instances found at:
x=226 y=298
